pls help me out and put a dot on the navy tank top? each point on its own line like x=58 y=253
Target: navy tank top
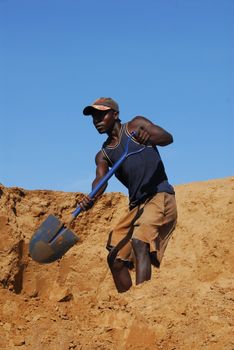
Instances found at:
x=142 y=173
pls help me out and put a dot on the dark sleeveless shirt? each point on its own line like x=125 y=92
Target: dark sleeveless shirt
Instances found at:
x=142 y=173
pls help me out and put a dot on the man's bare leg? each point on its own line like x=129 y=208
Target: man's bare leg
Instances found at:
x=143 y=263
x=120 y=275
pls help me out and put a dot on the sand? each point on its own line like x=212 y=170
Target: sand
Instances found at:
x=72 y=303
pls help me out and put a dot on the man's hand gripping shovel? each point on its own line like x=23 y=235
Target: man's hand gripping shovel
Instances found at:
x=53 y=239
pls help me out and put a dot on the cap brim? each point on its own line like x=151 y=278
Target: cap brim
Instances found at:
x=89 y=109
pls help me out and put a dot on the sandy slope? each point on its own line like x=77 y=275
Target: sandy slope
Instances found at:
x=72 y=304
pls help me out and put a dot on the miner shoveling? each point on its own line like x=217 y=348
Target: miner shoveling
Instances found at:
x=53 y=238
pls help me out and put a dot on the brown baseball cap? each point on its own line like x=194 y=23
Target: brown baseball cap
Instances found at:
x=102 y=104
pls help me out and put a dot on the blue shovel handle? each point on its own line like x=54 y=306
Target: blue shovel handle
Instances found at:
x=108 y=175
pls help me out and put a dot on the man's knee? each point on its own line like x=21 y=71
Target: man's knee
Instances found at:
x=114 y=264
x=139 y=247
x=112 y=261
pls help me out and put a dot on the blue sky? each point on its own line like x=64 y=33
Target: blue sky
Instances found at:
x=168 y=60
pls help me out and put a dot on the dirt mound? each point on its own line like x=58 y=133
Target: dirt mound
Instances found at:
x=72 y=303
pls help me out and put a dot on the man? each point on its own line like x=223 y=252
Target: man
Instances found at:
x=141 y=236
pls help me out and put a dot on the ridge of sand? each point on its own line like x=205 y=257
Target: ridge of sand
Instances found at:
x=72 y=303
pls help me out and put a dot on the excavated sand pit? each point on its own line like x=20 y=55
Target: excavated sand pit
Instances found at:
x=73 y=304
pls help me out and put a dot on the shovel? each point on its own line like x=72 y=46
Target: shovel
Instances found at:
x=53 y=239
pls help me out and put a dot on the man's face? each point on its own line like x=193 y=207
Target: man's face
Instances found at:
x=103 y=120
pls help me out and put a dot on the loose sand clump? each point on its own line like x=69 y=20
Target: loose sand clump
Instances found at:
x=73 y=304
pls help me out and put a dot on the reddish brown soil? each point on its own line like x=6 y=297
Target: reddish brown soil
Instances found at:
x=73 y=304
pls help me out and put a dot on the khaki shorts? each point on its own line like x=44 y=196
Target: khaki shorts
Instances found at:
x=151 y=222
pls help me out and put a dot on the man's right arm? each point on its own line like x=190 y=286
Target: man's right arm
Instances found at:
x=101 y=169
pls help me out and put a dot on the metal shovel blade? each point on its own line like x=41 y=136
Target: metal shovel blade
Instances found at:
x=51 y=241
